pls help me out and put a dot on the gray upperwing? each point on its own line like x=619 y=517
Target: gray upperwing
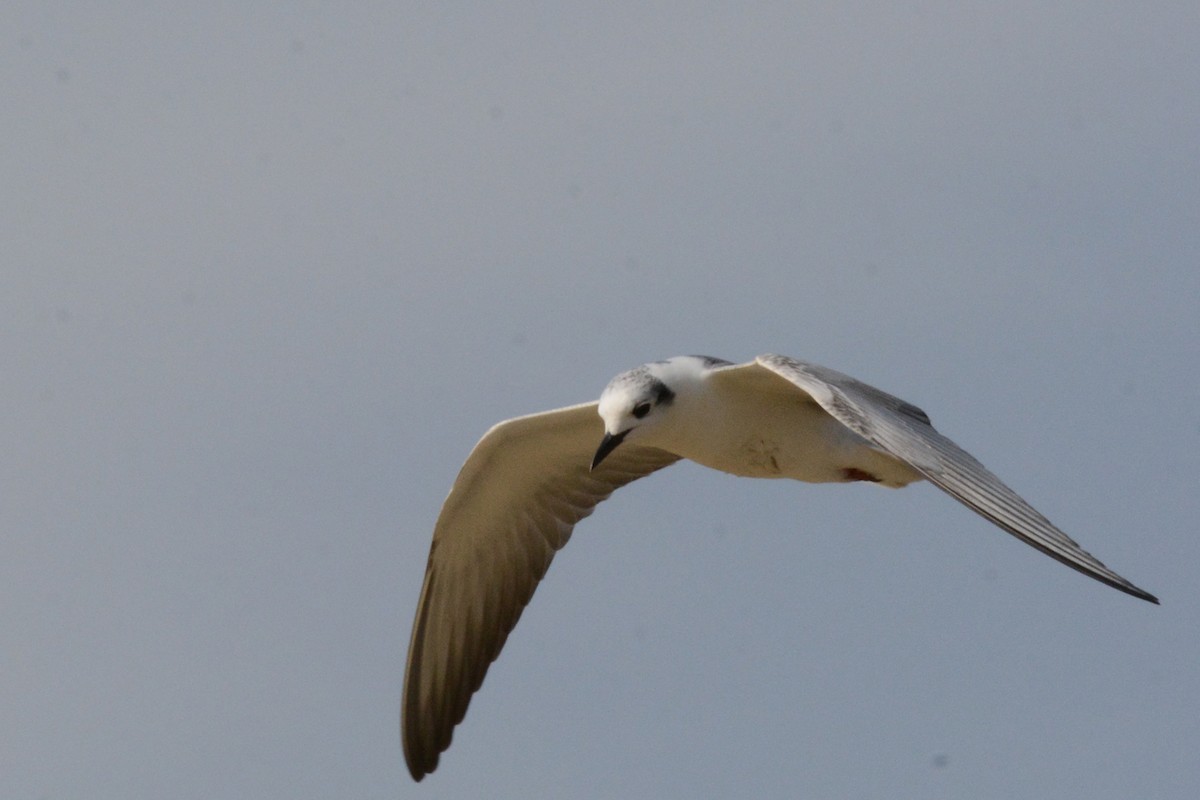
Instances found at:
x=904 y=431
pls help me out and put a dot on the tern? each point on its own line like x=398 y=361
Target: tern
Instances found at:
x=529 y=480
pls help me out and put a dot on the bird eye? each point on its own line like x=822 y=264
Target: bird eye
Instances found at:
x=641 y=410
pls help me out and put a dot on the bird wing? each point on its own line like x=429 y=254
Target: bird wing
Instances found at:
x=904 y=431
x=514 y=503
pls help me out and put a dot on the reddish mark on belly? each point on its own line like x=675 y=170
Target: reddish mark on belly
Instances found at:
x=856 y=474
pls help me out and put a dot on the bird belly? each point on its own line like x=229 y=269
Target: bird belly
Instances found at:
x=805 y=444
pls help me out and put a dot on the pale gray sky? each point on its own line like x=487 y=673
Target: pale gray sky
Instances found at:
x=270 y=270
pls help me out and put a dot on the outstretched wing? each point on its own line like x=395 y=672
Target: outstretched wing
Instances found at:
x=904 y=431
x=514 y=503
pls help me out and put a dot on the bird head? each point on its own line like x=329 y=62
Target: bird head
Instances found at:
x=631 y=405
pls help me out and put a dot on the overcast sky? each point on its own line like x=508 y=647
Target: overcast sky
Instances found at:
x=270 y=270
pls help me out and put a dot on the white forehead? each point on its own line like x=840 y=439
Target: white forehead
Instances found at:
x=625 y=390
x=630 y=382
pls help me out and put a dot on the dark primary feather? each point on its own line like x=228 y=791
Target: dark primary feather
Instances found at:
x=514 y=504
x=904 y=431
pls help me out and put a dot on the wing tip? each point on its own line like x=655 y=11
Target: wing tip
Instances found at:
x=1141 y=594
x=418 y=756
x=1110 y=578
x=419 y=770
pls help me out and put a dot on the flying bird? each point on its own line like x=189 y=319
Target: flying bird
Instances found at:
x=529 y=480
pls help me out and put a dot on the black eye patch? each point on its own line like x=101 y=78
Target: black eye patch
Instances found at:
x=641 y=410
x=662 y=394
